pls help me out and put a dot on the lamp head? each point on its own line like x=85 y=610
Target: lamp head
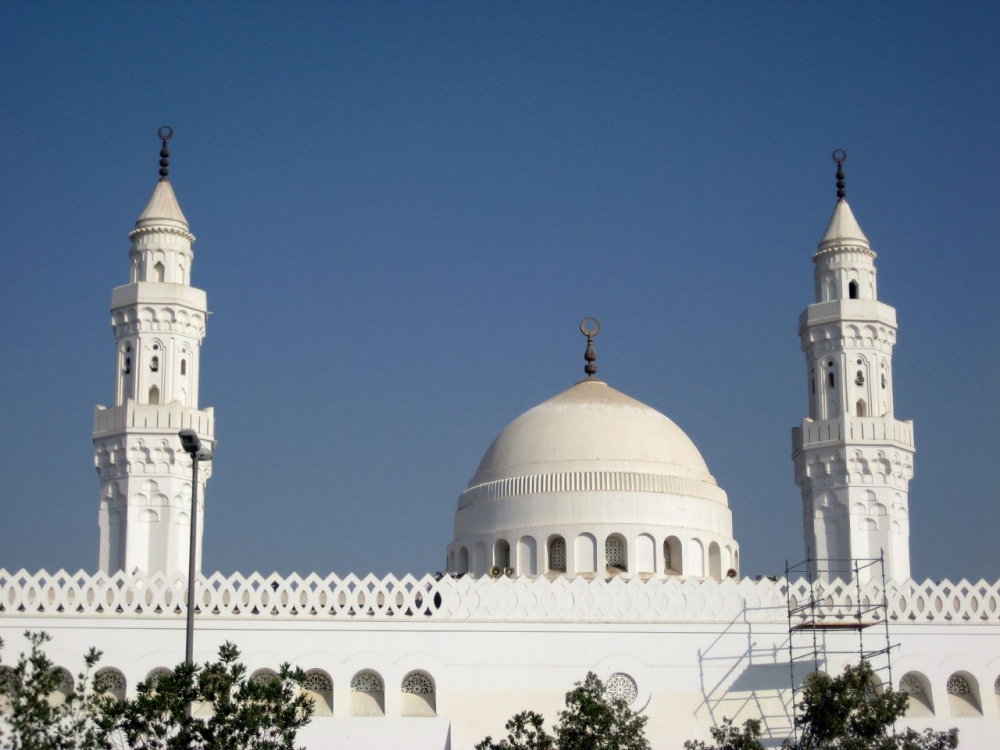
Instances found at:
x=189 y=441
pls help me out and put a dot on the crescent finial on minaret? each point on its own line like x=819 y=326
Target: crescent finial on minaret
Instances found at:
x=591 y=354
x=165 y=133
x=840 y=156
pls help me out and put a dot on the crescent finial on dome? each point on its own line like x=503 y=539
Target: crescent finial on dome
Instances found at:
x=591 y=354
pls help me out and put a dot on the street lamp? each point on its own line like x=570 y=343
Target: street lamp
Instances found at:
x=193 y=447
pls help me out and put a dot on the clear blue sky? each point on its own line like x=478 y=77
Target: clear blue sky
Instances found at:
x=404 y=209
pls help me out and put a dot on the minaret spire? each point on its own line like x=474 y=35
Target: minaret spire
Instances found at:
x=165 y=133
x=840 y=156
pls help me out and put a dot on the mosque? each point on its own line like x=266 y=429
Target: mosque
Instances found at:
x=592 y=537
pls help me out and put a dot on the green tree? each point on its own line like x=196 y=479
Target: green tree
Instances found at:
x=233 y=712
x=31 y=720
x=845 y=713
x=592 y=720
x=839 y=713
x=728 y=737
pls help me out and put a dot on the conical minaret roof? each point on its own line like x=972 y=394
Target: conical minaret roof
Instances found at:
x=843 y=228
x=162 y=209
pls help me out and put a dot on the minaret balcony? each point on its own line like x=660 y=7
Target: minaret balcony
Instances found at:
x=856 y=430
x=154 y=418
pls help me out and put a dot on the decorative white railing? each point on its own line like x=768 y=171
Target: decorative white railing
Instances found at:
x=61 y=594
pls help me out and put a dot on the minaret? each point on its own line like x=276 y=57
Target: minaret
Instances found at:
x=158 y=320
x=853 y=458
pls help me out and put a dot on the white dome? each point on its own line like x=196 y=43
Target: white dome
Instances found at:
x=591 y=479
x=592 y=426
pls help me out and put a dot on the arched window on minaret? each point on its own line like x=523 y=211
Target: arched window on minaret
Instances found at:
x=154 y=395
x=184 y=367
x=852 y=290
x=831 y=380
x=159 y=272
x=154 y=364
x=862 y=408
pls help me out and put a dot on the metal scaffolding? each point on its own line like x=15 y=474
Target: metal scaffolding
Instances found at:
x=811 y=620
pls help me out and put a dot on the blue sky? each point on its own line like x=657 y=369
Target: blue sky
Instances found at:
x=404 y=209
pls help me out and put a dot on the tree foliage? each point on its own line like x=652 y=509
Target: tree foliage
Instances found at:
x=839 y=713
x=215 y=706
x=30 y=719
x=728 y=737
x=592 y=720
x=230 y=710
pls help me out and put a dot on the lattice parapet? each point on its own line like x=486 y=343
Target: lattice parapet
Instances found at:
x=522 y=599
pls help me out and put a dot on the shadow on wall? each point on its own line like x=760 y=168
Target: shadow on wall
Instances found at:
x=753 y=679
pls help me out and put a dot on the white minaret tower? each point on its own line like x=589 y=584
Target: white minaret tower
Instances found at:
x=853 y=458
x=158 y=320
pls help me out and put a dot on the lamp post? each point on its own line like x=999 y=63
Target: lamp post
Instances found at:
x=193 y=447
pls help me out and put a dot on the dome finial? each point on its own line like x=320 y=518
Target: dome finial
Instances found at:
x=165 y=133
x=591 y=355
x=840 y=156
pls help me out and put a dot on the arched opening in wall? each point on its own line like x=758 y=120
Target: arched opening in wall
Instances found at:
x=127 y=366
x=852 y=290
x=418 y=695
x=154 y=395
x=963 y=695
x=831 y=379
x=319 y=688
x=696 y=559
x=861 y=408
x=501 y=553
x=159 y=272
x=8 y=684
x=557 y=554
x=367 y=694
x=479 y=562
x=673 y=561
x=264 y=676
x=715 y=561
x=645 y=554
x=463 y=562
x=184 y=367
x=918 y=688
x=154 y=363
x=111 y=682
x=63 y=688
x=615 y=554
x=585 y=553
x=527 y=556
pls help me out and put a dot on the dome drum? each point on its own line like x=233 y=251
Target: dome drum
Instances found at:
x=597 y=550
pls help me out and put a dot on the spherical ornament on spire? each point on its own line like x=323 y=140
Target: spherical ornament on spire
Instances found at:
x=165 y=133
x=840 y=156
x=590 y=356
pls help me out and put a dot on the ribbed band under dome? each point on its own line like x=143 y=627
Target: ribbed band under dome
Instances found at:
x=592 y=427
